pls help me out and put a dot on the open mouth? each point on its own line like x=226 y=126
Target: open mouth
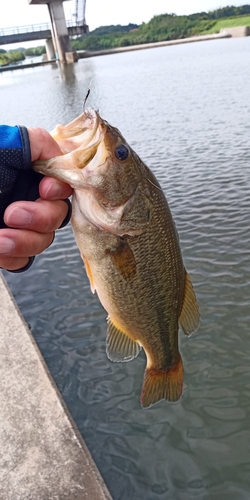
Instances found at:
x=82 y=145
x=81 y=132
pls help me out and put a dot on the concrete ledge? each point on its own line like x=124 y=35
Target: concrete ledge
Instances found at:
x=14 y=67
x=238 y=31
x=71 y=57
x=42 y=455
x=202 y=38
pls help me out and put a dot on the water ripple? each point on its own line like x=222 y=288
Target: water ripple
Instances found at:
x=186 y=111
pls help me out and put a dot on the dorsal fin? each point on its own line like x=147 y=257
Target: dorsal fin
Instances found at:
x=120 y=347
x=190 y=317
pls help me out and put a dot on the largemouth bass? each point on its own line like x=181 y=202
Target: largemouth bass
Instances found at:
x=130 y=248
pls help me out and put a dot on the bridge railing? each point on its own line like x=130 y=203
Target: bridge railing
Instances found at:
x=31 y=28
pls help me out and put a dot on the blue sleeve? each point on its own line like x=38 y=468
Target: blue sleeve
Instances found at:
x=17 y=180
x=14 y=142
x=10 y=137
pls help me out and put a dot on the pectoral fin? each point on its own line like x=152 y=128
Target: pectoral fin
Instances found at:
x=89 y=274
x=123 y=259
x=190 y=317
x=120 y=347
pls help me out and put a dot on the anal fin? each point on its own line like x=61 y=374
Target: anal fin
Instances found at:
x=120 y=347
x=190 y=317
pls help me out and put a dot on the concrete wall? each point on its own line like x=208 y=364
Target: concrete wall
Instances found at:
x=42 y=455
x=237 y=32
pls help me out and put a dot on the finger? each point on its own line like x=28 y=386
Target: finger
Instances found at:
x=41 y=216
x=42 y=145
x=51 y=189
x=23 y=243
x=13 y=263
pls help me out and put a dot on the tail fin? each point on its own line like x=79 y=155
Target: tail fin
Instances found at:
x=162 y=384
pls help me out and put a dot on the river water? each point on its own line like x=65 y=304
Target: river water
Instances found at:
x=186 y=111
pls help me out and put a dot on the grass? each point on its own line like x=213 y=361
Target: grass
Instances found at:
x=231 y=22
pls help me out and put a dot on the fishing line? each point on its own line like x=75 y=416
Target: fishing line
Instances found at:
x=87 y=95
x=99 y=90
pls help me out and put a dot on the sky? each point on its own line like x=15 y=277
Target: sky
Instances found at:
x=105 y=12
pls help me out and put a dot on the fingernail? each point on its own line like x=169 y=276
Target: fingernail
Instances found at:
x=18 y=217
x=6 y=245
x=54 y=191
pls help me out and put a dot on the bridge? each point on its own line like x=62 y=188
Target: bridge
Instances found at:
x=36 y=32
x=56 y=33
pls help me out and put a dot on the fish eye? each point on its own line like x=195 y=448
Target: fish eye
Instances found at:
x=121 y=152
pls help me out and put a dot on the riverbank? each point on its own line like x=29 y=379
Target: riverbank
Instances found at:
x=14 y=67
x=85 y=54
x=42 y=454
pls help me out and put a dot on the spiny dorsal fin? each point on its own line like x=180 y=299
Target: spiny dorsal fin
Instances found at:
x=120 y=347
x=190 y=317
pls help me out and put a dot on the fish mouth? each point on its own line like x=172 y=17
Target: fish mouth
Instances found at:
x=78 y=133
x=82 y=144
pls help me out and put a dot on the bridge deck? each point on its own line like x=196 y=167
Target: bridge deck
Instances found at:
x=36 y=32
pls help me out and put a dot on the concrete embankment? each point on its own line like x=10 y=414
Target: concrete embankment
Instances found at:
x=237 y=32
x=14 y=67
x=84 y=53
x=42 y=455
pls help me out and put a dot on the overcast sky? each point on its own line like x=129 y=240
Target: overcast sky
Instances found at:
x=105 y=12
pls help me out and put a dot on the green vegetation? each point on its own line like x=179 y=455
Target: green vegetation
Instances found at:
x=35 y=51
x=11 y=57
x=15 y=56
x=118 y=28
x=17 y=49
x=159 y=28
x=232 y=22
x=163 y=27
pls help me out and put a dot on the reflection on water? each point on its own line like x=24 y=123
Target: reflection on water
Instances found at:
x=185 y=110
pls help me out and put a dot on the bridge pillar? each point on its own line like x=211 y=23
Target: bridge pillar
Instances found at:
x=59 y=29
x=50 y=50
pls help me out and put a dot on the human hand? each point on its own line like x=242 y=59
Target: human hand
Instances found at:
x=31 y=224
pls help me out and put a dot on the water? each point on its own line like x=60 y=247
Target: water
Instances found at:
x=186 y=111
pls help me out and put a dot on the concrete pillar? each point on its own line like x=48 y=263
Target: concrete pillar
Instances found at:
x=59 y=30
x=50 y=50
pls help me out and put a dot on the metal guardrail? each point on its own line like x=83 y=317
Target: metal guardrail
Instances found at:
x=32 y=28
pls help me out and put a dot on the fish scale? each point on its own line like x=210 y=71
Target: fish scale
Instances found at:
x=130 y=248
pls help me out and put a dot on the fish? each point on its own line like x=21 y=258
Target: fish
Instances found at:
x=130 y=248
